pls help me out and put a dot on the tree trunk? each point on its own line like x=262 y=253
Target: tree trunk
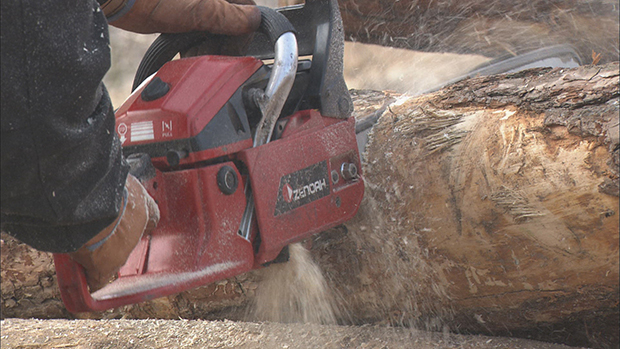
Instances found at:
x=491 y=206
x=488 y=27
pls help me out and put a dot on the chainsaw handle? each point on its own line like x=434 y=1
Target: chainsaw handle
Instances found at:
x=274 y=24
x=168 y=45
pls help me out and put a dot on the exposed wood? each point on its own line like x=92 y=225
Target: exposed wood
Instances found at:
x=491 y=206
x=489 y=27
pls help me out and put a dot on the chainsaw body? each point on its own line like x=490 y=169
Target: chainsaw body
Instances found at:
x=230 y=203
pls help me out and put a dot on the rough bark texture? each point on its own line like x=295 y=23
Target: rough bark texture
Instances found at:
x=489 y=27
x=491 y=206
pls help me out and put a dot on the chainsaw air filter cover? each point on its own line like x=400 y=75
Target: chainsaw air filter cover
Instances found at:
x=193 y=111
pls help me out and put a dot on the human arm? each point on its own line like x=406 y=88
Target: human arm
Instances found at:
x=170 y=16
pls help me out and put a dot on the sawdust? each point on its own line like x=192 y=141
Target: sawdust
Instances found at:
x=294 y=292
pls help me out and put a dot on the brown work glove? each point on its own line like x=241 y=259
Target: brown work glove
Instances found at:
x=179 y=16
x=224 y=45
x=106 y=253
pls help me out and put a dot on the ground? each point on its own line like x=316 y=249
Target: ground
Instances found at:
x=228 y=334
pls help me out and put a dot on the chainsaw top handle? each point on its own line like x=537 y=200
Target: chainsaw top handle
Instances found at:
x=168 y=45
x=273 y=24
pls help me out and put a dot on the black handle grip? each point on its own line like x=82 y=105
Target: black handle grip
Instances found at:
x=166 y=46
x=163 y=50
x=273 y=24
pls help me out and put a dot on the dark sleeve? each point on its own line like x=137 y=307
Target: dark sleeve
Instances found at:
x=62 y=170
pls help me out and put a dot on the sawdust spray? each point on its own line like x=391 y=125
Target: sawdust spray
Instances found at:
x=295 y=291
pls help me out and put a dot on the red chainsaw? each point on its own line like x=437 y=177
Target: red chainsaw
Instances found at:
x=243 y=156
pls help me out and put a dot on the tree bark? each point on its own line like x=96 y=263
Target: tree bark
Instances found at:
x=491 y=206
x=488 y=27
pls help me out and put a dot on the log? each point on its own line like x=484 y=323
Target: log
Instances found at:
x=491 y=206
x=487 y=27
x=496 y=29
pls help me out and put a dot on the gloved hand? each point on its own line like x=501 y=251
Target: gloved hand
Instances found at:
x=178 y=16
x=224 y=45
x=106 y=253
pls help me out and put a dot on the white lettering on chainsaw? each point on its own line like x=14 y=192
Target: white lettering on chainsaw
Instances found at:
x=166 y=128
x=309 y=189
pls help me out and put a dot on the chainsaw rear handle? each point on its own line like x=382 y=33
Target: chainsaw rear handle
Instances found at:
x=167 y=45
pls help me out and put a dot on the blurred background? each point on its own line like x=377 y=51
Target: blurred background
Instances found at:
x=417 y=45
